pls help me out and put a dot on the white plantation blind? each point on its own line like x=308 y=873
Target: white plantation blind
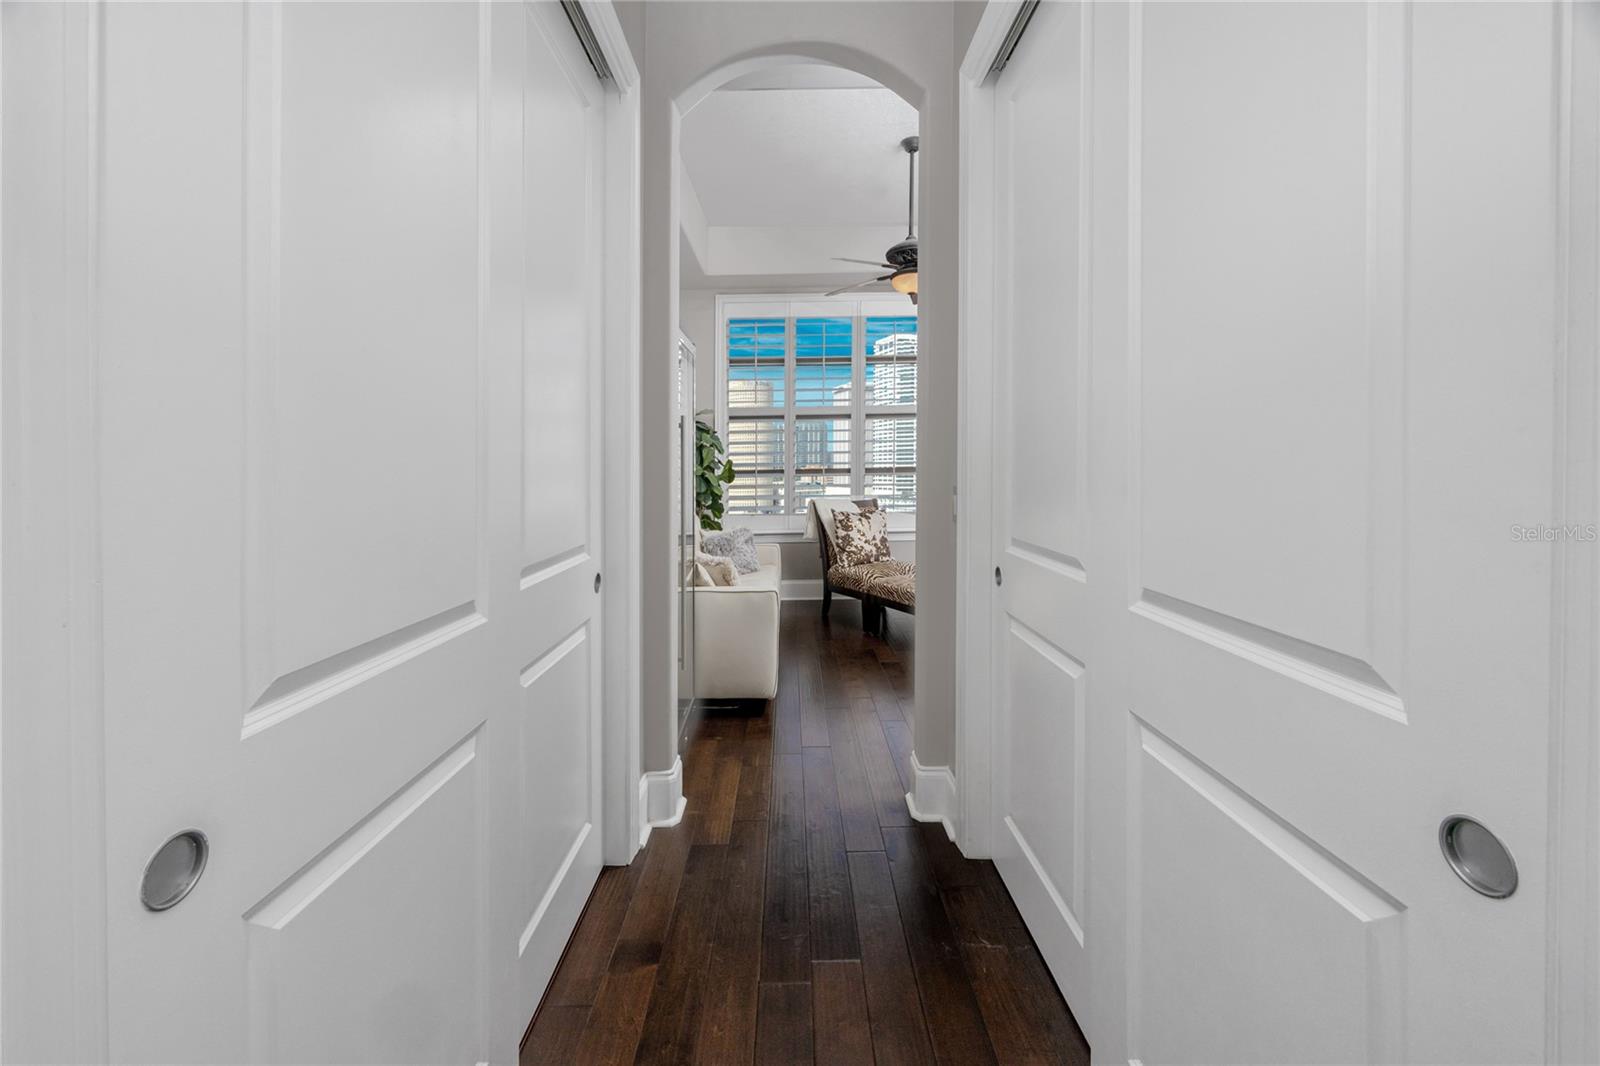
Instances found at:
x=890 y=399
x=818 y=397
x=757 y=392
x=756 y=447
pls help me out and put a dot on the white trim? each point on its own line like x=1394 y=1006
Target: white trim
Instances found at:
x=933 y=797
x=661 y=799
x=54 y=717
x=1572 y=1029
x=620 y=601
x=613 y=43
x=993 y=26
x=975 y=434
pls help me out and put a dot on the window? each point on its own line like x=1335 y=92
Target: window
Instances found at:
x=818 y=397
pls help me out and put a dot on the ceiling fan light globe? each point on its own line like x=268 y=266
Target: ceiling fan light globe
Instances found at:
x=904 y=281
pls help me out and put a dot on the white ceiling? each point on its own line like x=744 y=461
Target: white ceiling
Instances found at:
x=799 y=146
x=826 y=277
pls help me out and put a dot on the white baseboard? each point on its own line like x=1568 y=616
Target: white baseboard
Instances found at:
x=803 y=589
x=934 y=797
x=661 y=800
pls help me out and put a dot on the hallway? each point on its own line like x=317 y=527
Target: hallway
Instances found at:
x=797 y=913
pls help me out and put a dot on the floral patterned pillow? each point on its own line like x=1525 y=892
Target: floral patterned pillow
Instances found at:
x=860 y=537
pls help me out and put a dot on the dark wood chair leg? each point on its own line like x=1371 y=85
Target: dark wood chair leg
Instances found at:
x=827 y=598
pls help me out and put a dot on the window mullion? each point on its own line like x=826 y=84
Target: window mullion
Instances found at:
x=789 y=441
x=858 y=403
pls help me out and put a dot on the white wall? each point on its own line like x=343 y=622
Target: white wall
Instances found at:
x=697 y=311
x=912 y=49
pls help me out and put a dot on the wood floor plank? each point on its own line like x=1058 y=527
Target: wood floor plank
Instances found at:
x=879 y=684
x=982 y=911
x=899 y=1031
x=555 y=1035
x=888 y=791
x=650 y=909
x=898 y=734
x=786 y=921
x=583 y=967
x=702 y=950
x=813 y=721
x=954 y=1020
x=833 y=916
x=833 y=693
x=722 y=795
x=950 y=868
x=786 y=717
x=699 y=769
x=755 y=776
x=758 y=735
x=611 y=1034
x=783 y=1024
x=855 y=684
x=858 y=809
x=839 y=1012
x=673 y=1018
x=1026 y=1019
x=728 y=1022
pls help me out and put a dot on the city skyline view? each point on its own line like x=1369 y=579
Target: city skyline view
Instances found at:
x=822 y=454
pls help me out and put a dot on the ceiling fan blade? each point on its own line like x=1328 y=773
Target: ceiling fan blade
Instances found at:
x=858 y=285
x=863 y=262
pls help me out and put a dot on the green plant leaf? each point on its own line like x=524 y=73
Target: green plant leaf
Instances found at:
x=712 y=474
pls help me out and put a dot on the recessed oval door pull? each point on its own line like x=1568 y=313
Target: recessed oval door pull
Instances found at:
x=1477 y=856
x=174 y=870
x=597 y=581
x=998 y=577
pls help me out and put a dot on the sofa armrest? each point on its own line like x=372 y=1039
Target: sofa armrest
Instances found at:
x=769 y=554
x=736 y=641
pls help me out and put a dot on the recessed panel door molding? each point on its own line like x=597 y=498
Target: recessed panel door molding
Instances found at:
x=1273 y=392
x=557 y=613
x=327 y=644
x=1044 y=670
x=1340 y=372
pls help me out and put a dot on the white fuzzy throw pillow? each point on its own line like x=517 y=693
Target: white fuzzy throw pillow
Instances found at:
x=719 y=567
x=737 y=544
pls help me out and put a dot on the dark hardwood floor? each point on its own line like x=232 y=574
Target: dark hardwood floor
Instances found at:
x=798 y=914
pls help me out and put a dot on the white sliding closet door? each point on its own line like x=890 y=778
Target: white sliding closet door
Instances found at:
x=349 y=509
x=558 y=607
x=1044 y=671
x=1321 y=315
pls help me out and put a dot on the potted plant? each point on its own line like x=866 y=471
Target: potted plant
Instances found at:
x=713 y=471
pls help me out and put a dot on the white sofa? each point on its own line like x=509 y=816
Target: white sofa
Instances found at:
x=736 y=633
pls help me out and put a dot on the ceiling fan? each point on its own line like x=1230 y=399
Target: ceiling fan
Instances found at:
x=901 y=259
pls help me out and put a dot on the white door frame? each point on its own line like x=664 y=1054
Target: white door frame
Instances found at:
x=53 y=890
x=620 y=592
x=975 y=432
x=1573 y=950
x=1572 y=1031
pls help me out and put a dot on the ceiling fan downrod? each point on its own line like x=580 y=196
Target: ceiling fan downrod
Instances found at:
x=911 y=145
